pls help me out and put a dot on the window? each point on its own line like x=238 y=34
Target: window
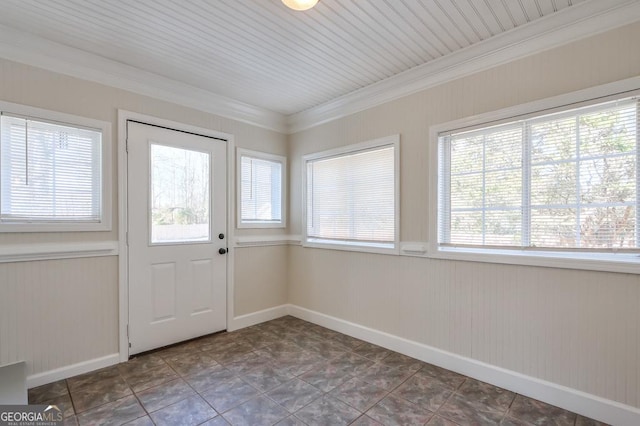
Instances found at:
x=52 y=174
x=261 y=201
x=351 y=196
x=566 y=181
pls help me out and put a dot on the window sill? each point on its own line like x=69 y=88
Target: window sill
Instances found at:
x=620 y=262
x=379 y=248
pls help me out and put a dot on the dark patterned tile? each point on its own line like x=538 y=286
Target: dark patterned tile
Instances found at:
x=584 y=421
x=424 y=392
x=233 y=353
x=402 y=361
x=297 y=363
x=96 y=393
x=63 y=402
x=86 y=379
x=265 y=377
x=191 y=411
x=446 y=377
x=385 y=376
x=327 y=349
x=510 y=421
x=229 y=394
x=327 y=411
x=291 y=421
x=486 y=395
x=353 y=363
x=216 y=421
x=348 y=341
x=326 y=377
x=539 y=413
x=114 y=413
x=365 y=420
x=192 y=363
x=256 y=412
x=140 y=380
x=462 y=411
x=166 y=394
x=259 y=339
x=358 y=394
x=440 y=421
x=372 y=352
x=70 y=421
x=140 y=421
x=294 y=394
x=44 y=393
x=141 y=363
x=397 y=411
x=209 y=378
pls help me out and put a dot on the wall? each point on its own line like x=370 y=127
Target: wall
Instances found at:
x=62 y=312
x=574 y=328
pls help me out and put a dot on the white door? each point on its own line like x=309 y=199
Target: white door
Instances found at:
x=177 y=215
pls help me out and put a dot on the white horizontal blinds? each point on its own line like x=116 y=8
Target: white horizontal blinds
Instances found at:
x=560 y=181
x=351 y=197
x=260 y=190
x=51 y=172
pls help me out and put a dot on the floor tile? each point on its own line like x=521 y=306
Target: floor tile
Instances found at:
x=348 y=341
x=358 y=394
x=353 y=363
x=191 y=411
x=70 y=421
x=446 y=377
x=83 y=380
x=583 y=421
x=187 y=364
x=141 y=363
x=114 y=413
x=265 y=377
x=486 y=394
x=166 y=394
x=245 y=363
x=326 y=377
x=385 y=376
x=257 y=411
x=538 y=412
x=365 y=420
x=140 y=380
x=216 y=421
x=462 y=411
x=372 y=352
x=291 y=421
x=510 y=421
x=63 y=402
x=440 y=421
x=294 y=394
x=402 y=361
x=397 y=411
x=229 y=394
x=209 y=378
x=48 y=392
x=327 y=411
x=140 y=421
x=424 y=392
x=96 y=393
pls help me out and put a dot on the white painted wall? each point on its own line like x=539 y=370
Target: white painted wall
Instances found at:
x=574 y=328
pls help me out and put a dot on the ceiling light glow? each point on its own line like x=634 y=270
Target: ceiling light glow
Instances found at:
x=300 y=4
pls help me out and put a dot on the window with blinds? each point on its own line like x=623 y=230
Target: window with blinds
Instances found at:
x=50 y=172
x=261 y=201
x=351 y=195
x=562 y=181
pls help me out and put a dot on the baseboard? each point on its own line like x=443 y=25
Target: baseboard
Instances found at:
x=71 y=370
x=570 y=399
x=257 y=317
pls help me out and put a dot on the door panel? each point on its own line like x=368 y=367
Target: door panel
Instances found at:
x=177 y=202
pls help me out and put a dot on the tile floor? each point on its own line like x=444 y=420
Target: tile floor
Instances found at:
x=288 y=372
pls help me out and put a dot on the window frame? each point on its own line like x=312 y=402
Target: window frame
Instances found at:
x=615 y=262
x=105 y=222
x=367 y=247
x=259 y=155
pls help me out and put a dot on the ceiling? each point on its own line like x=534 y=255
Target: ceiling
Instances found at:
x=262 y=54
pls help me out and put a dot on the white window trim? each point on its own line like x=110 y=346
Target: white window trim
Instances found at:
x=240 y=152
x=380 y=248
x=105 y=222
x=618 y=262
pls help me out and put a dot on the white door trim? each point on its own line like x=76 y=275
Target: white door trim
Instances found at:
x=123 y=278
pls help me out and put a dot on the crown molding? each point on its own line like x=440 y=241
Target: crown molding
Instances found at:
x=32 y=50
x=570 y=24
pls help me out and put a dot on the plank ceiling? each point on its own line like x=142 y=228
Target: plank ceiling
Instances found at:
x=260 y=52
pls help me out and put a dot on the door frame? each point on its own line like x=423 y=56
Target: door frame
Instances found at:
x=123 y=257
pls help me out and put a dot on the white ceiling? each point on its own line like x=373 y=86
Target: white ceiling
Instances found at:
x=265 y=55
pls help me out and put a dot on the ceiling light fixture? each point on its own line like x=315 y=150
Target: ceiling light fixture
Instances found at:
x=300 y=4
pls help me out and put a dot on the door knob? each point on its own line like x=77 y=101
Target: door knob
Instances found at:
x=221 y=236
x=222 y=251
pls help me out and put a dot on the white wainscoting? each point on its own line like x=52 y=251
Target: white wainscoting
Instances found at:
x=51 y=251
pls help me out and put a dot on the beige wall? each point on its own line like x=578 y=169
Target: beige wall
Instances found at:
x=575 y=328
x=84 y=308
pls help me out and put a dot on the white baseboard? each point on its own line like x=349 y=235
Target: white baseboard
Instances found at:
x=257 y=317
x=71 y=370
x=570 y=399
